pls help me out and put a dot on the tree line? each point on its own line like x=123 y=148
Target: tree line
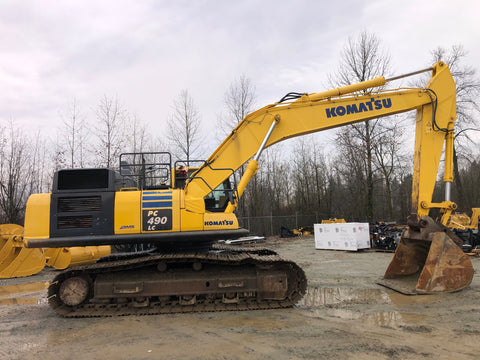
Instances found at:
x=365 y=174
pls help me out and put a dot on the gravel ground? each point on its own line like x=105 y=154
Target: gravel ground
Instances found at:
x=344 y=315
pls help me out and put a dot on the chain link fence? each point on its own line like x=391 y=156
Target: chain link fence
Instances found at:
x=271 y=225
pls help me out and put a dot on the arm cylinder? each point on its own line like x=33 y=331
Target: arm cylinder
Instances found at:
x=448 y=175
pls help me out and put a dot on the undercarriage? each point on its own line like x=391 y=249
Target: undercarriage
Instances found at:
x=223 y=278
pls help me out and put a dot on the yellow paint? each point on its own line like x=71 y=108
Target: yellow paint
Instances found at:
x=65 y=257
x=128 y=212
x=191 y=221
x=15 y=259
x=37 y=216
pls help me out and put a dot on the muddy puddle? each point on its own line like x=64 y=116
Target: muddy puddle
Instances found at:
x=316 y=297
x=23 y=294
x=333 y=300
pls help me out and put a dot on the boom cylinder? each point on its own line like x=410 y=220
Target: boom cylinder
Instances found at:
x=376 y=82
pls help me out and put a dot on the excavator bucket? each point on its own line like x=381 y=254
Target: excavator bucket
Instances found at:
x=15 y=259
x=428 y=260
x=18 y=261
x=65 y=257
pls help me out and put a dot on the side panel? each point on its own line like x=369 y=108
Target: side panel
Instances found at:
x=37 y=216
x=82 y=213
x=191 y=221
x=127 y=212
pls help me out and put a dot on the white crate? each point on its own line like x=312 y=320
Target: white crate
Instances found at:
x=342 y=236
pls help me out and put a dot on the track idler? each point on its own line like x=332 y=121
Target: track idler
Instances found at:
x=428 y=259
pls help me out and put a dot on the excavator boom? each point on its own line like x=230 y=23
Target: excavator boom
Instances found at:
x=436 y=111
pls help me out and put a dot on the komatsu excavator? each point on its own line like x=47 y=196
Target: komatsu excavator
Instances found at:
x=183 y=215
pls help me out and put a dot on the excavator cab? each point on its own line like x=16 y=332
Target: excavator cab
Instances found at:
x=219 y=198
x=154 y=170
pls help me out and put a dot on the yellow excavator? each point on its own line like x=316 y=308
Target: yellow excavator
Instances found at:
x=183 y=215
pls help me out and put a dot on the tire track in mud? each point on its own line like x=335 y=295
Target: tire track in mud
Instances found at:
x=21 y=337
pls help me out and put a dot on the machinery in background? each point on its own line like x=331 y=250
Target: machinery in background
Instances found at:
x=385 y=236
x=286 y=232
x=333 y=221
x=466 y=228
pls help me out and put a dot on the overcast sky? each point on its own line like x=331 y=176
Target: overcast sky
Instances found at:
x=146 y=52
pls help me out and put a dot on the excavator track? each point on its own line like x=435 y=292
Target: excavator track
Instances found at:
x=223 y=279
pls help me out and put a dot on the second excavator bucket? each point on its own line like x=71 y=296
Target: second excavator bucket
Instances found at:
x=15 y=259
x=428 y=260
x=62 y=258
x=18 y=261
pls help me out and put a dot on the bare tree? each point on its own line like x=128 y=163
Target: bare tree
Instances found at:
x=362 y=59
x=239 y=100
x=388 y=159
x=138 y=140
x=3 y=139
x=73 y=138
x=350 y=165
x=276 y=185
x=41 y=169
x=3 y=148
x=14 y=175
x=109 y=131
x=184 y=127
x=58 y=154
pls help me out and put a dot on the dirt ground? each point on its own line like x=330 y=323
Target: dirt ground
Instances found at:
x=344 y=315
